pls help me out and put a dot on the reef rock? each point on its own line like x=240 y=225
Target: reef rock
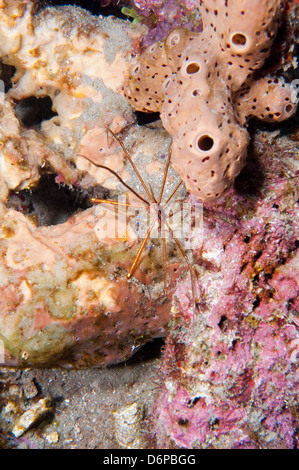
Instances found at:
x=79 y=63
x=230 y=375
x=65 y=298
x=64 y=293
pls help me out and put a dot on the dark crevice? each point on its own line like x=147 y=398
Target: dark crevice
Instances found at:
x=214 y=423
x=222 y=322
x=32 y=111
x=257 y=255
x=146 y=118
x=243 y=267
x=192 y=403
x=6 y=74
x=148 y=352
x=251 y=178
x=50 y=203
x=96 y=7
x=183 y=422
x=256 y=303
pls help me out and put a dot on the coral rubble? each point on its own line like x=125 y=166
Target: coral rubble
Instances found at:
x=161 y=17
x=205 y=87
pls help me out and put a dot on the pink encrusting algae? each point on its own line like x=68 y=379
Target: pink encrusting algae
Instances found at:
x=232 y=380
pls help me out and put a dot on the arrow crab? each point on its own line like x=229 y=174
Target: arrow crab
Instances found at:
x=160 y=216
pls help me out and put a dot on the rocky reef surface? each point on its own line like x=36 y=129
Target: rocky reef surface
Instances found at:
x=63 y=285
x=229 y=375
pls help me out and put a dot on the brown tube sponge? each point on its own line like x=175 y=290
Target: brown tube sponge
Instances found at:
x=269 y=99
x=203 y=86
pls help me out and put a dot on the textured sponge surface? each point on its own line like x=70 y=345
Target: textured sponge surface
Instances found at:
x=204 y=87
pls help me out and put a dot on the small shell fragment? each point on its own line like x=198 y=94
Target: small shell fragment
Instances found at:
x=52 y=437
x=127 y=422
x=32 y=415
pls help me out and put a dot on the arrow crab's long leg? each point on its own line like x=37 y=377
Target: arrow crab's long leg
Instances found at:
x=119 y=179
x=131 y=162
x=164 y=266
x=135 y=262
x=115 y=203
x=173 y=192
x=158 y=210
x=185 y=258
x=164 y=178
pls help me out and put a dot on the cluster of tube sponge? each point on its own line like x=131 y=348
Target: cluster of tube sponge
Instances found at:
x=205 y=87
